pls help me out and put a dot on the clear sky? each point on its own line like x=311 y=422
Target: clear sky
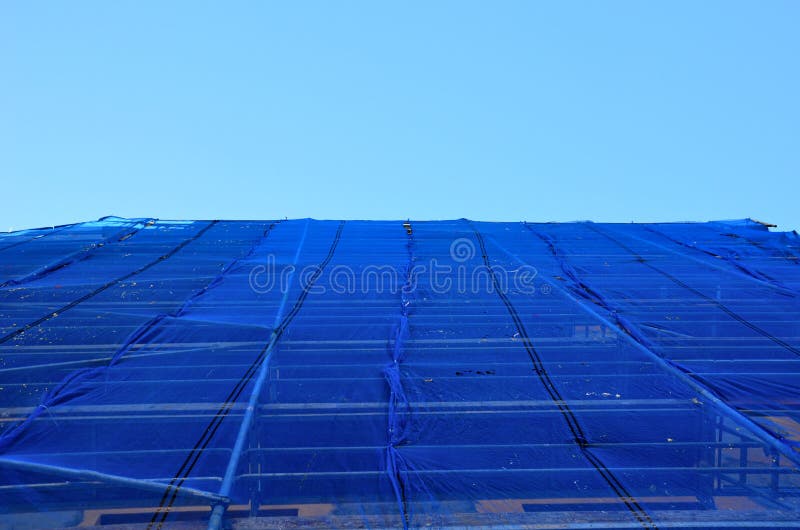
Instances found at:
x=611 y=111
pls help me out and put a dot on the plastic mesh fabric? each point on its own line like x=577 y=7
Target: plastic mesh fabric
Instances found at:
x=399 y=374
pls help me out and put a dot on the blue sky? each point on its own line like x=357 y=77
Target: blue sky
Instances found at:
x=611 y=111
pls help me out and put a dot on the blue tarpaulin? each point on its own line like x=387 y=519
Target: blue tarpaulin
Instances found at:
x=399 y=374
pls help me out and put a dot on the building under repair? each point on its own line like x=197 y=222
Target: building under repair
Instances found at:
x=399 y=374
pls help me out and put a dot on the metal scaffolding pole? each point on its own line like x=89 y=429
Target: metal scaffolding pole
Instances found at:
x=116 y=480
x=218 y=509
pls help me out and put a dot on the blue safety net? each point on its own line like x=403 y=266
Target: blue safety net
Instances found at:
x=399 y=374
